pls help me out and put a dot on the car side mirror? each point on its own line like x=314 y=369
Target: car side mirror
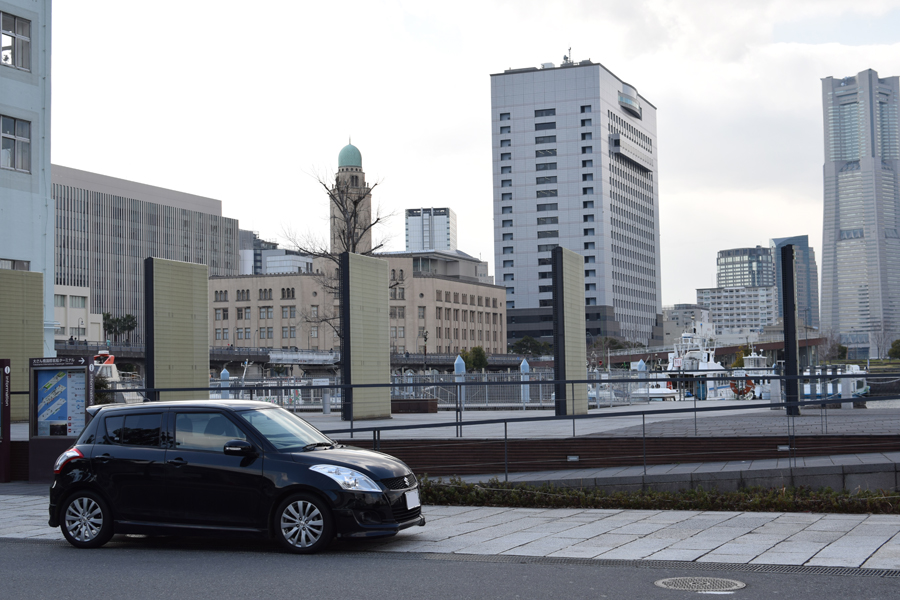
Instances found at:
x=239 y=448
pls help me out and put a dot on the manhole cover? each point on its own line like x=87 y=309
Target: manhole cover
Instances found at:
x=700 y=584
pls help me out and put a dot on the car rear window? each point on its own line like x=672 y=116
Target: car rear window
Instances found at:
x=134 y=430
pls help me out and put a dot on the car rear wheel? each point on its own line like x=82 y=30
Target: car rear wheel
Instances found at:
x=303 y=524
x=86 y=520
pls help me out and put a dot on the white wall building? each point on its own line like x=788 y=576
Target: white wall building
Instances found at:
x=740 y=310
x=430 y=229
x=575 y=165
x=27 y=208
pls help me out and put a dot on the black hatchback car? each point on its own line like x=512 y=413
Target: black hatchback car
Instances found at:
x=233 y=467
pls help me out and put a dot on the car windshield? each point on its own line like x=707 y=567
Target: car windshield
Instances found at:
x=285 y=430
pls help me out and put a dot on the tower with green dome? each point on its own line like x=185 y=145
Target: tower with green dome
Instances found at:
x=351 y=205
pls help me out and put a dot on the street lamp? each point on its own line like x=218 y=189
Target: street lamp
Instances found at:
x=424 y=335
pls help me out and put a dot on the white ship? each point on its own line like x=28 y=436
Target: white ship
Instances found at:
x=694 y=360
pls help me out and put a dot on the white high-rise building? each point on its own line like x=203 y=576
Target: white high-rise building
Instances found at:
x=430 y=229
x=861 y=229
x=575 y=165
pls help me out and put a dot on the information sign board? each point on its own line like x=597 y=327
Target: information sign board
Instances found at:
x=62 y=388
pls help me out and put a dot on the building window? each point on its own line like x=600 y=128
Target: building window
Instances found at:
x=314 y=331
x=588 y=232
x=506 y=183
x=545 y=167
x=545 y=180
x=506 y=197
x=545 y=139
x=218 y=314
x=292 y=331
x=239 y=333
x=284 y=312
x=77 y=301
x=590 y=246
x=587 y=176
x=588 y=191
x=508 y=264
x=506 y=169
x=590 y=259
x=544 y=126
x=585 y=122
x=586 y=109
x=586 y=136
x=510 y=291
x=507 y=249
x=506 y=210
x=510 y=304
x=543 y=289
x=548 y=234
x=218 y=334
x=587 y=164
x=587 y=218
x=271 y=332
x=421 y=312
x=590 y=302
x=15 y=148
x=506 y=156
x=546 y=247
x=15 y=50
x=59 y=300
x=546 y=207
x=547 y=193
x=545 y=275
x=504 y=116
x=505 y=129
x=587 y=149
x=507 y=223
x=507 y=237
x=587 y=204
x=505 y=143
x=543 y=153
x=590 y=273
x=547 y=220
x=545 y=112
x=509 y=277
x=284 y=332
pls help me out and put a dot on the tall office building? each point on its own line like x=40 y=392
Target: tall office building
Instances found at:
x=106 y=227
x=575 y=165
x=861 y=229
x=26 y=206
x=748 y=267
x=807 y=277
x=430 y=229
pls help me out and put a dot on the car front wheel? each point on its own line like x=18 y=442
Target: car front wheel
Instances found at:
x=86 y=520
x=303 y=524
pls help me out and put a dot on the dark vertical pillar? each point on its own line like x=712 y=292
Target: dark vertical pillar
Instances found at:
x=149 y=332
x=791 y=355
x=346 y=375
x=559 y=331
x=5 y=443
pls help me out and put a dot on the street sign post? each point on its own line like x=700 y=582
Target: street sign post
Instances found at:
x=5 y=442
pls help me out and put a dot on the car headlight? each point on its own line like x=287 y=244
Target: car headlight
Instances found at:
x=347 y=478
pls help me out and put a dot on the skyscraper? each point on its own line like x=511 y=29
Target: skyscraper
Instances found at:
x=430 y=229
x=807 y=278
x=556 y=184
x=861 y=230
x=749 y=267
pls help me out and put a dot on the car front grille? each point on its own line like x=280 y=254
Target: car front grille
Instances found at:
x=400 y=483
x=402 y=515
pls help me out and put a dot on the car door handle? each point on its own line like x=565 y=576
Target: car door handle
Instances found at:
x=104 y=458
x=177 y=462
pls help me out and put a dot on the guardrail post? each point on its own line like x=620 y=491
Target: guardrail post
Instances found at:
x=644 y=440
x=505 y=452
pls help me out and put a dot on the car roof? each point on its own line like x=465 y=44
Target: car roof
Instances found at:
x=228 y=404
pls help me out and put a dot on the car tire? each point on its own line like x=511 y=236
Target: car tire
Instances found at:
x=85 y=520
x=303 y=524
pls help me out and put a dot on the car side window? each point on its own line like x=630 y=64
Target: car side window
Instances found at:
x=204 y=431
x=133 y=430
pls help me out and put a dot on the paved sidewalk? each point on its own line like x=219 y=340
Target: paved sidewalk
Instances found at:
x=868 y=541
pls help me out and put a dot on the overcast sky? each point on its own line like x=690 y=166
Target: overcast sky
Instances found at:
x=249 y=103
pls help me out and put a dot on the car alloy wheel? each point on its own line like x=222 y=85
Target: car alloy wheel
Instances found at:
x=86 y=521
x=304 y=524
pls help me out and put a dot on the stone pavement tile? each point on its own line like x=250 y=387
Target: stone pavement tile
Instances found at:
x=437 y=534
x=825 y=537
x=799 y=518
x=640 y=528
x=793 y=547
x=446 y=510
x=783 y=529
x=670 y=533
x=544 y=546
x=759 y=539
x=752 y=520
x=609 y=540
x=836 y=524
x=683 y=554
x=775 y=558
x=501 y=544
x=590 y=530
x=847 y=552
x=889 y=519
x=869 y=529
x=886 y=557
x=637 y=549
x=727 y=558
x=709 y=539
x=578 y=552
x=555 y=526
x=701 y=521
x=672 y=516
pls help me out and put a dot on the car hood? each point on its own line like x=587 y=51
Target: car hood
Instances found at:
x=373 y=464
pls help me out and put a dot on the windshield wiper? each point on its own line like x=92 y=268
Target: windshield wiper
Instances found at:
x=317 y=445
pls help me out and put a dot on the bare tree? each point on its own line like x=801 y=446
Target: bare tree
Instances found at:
x=881 y=337
x=831 y=349
x=352 y=223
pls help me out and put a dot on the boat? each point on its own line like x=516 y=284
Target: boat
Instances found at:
x=693 y=361
x=119 y=382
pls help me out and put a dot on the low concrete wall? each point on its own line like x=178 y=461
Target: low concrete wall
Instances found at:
x=851 y=478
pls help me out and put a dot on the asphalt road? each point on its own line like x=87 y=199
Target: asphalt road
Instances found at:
x=156 y=569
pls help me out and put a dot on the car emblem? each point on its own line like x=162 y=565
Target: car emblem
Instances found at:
x=406 y=481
